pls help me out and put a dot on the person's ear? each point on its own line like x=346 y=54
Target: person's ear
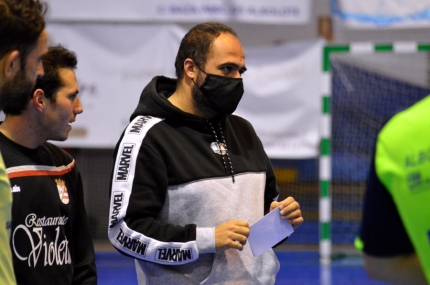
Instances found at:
x=190 y=69
x=12 y=63
x=38 y=101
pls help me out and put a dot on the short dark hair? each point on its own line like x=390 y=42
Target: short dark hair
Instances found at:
x=21 y=23
x=56 y=58
x=197 y=42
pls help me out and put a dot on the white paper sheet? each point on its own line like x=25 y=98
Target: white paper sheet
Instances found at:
x=268 y=231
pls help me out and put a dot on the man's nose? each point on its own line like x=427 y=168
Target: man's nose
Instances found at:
x=78 y=106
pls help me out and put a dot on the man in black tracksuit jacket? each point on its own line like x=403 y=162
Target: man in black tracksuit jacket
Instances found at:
x=189 y=177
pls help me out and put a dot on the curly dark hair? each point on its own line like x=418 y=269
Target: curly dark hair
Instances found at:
x=21 y=24
x=196 y=44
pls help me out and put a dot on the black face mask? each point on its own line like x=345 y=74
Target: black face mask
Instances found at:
x=223 y=93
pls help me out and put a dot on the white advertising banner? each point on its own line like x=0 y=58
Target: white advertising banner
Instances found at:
x=250 y=11
x=115 y=62
x=282 y=98
x=382 y=13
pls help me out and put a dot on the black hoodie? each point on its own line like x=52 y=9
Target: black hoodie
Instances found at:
x=170 y=189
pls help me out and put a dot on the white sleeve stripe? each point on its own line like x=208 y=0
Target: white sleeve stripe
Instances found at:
x=121 y=236
x=142 y=247
x=125 y=166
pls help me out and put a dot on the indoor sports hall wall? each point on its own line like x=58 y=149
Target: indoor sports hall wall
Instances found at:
x=357 y=114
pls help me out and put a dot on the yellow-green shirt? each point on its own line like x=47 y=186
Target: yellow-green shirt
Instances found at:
x=402 y=163
x=7 y=275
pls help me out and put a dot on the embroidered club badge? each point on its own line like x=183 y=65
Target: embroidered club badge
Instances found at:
x=62 y=191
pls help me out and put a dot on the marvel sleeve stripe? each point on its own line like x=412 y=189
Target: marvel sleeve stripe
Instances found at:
x=125 y=239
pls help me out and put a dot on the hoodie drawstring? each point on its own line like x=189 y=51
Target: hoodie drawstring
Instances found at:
x=226 y=149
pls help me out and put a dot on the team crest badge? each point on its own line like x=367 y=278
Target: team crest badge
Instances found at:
x=62 y=191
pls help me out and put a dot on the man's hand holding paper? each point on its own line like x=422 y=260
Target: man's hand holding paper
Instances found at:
x=290 y=210
x=283 y=218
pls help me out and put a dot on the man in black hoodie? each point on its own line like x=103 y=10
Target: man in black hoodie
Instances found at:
x=190 y=177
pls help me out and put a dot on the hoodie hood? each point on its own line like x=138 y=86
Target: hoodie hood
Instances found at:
x=153 y=102
x=153 y=99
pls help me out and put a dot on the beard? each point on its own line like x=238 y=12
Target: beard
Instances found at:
x=15 y=93
x=202 y=103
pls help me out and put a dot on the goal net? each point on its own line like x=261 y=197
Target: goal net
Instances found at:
x=369 y=83
x=367 y=89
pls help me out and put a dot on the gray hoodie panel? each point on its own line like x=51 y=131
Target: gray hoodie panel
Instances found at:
x=209 y=203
